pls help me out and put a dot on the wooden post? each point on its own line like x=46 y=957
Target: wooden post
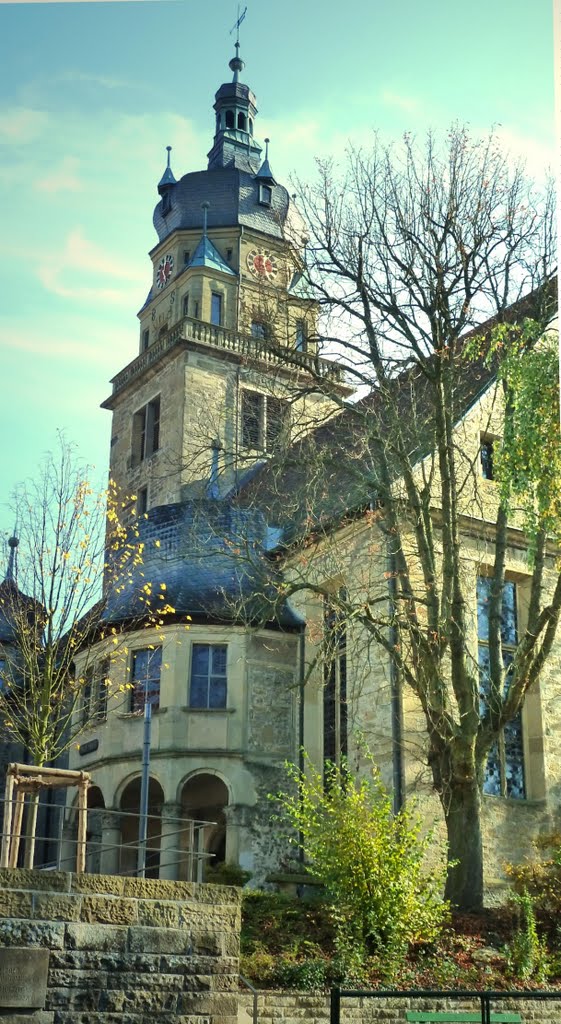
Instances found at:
x=16 y=828
x=82 y=825
x=7 y=821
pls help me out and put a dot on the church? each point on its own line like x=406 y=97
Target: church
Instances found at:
x=227 y=379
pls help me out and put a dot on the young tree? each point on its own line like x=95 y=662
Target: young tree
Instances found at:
x=75 y=552
x=411 y=250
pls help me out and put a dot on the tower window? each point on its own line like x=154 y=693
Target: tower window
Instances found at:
x=145 y=340
x=259 y=329
x=265 y=195
x=186 y=304
x=250 y=126
x=166 y=203
x=146 y=431
x=186 y=256
x=265 y=421
x=208 y=676
x=486 y=453
x=216 y=309
x=252 y=417
x=146 y=666
x=228 y=254
x=230 y=119
x=242 y=122
x=301 y=336
x=142 y=501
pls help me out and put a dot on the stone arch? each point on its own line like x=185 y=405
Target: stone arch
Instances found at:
x=129 y=806
x=242 y=123
x=230 y=119
x=204 y=796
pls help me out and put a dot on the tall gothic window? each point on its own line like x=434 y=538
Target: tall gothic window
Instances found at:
x=504 y=773
x=335 y=714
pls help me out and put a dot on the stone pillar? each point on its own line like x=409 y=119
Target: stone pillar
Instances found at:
x=109 y=860
x=172 y=841
x=95 y=841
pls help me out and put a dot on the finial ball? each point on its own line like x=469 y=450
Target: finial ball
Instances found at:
x=13 y=542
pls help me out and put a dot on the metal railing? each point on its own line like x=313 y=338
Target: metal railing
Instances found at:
x=175 y=846
x=260 y=349
x=483 y=1001
x=247 y=984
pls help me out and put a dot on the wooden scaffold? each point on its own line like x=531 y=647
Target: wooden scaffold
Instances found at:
x=23 y=779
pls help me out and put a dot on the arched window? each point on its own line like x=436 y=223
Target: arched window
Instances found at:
x=250 y=127
x=242 y=122
x=230 y=119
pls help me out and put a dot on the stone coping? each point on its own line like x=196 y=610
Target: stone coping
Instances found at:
x=117 y=885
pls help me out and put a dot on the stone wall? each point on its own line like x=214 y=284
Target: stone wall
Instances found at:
x=125 y=950
x=313 y=1007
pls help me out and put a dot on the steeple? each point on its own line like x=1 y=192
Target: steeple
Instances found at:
x=234 y=144
x=11 y=570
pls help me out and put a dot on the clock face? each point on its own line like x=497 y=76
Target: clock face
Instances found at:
x=164 y=271
x=262 y=263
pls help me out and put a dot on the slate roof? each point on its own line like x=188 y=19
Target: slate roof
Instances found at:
x=233 y=197
x=210 y=558
x=206 y=255
x=12 y=602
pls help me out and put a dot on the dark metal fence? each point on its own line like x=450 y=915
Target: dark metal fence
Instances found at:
x=488 y=1004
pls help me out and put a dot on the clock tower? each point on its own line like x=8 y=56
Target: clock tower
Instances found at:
x=228 y=337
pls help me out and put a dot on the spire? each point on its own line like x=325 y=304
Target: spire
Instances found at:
x=11 y=570
x=167 y=178
x=265 y=173
x=237 y=64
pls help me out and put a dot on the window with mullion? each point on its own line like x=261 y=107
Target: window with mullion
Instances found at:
x=504 y=772
x=208 y=688
x=146 y=665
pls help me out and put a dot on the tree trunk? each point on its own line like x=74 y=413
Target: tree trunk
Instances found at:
x=462 y=811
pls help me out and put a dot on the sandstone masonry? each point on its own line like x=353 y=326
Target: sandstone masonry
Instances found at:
x=125 y=950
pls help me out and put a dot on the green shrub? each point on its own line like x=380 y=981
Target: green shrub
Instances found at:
x=527 y=955
x=370 y=861
x=540 y=877
x=227 y=874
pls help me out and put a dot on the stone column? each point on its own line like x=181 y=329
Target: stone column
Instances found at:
x=109 y=859
x=172 y=841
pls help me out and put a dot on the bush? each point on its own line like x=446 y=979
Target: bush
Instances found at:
x=540 y=878
x=371 y=862
x=527 y=955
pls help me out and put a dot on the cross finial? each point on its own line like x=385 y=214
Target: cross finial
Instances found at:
x=236 y=25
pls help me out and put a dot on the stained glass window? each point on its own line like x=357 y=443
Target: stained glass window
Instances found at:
x=504 y=773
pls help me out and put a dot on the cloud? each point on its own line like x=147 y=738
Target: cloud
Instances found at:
x=408 y=104
x=538 y=156
x=22 y=125
x=62 y=178
x=85 y=272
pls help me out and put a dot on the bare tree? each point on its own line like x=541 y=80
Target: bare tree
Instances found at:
x=412 y=249
x=76 y=552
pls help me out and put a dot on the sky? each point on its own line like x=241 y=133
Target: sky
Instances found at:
x=91 y=94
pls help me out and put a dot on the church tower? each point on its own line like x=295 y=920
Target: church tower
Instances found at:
x=226 y=374
x=212 y=381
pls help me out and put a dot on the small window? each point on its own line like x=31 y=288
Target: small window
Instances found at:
x=230 y=119
x=208 y=676
x=186 y=256
x=265 y=195
x=228 y=254
x=259 y=329
x=166 y=203
x=142 y=501
x=301 y=336
x=146 y=431
x=278 y=414
x=486 y=452
x=242 y=122
x=252 y=418
x=146 y=666
x=216 y=309
x=145 y=340
x=186 y=305
x=196 y=309
x=250 y=126
x=94 y=693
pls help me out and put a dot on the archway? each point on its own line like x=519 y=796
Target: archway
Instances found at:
x=130 y=817
x=204 y=797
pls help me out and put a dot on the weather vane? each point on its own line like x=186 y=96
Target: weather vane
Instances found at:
x=236 y=26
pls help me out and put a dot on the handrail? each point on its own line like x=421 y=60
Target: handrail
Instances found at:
x=203 y=333
x=253 y=990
